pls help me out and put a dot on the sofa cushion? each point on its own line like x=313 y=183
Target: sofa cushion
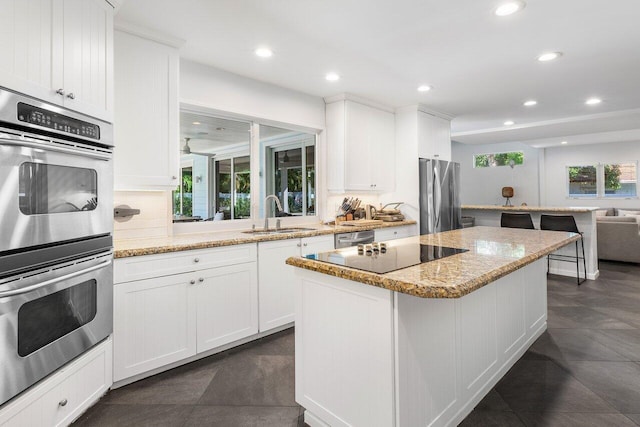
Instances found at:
x=622 y=212
x=632 y=218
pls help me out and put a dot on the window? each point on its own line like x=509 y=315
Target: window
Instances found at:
x=233 y=196
x=498 y=159
x=291 y=174
x=603 y=180
x=183 y=195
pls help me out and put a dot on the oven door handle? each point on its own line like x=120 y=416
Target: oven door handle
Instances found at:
x=356 y=240
x=31 y=288
x=43 y=145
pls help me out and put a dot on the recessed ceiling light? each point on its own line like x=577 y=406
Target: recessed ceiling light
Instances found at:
x=549 y=56
x=264 y=52
x=509 y=8
x=530 y=103
x=564 y=143
x=593 y=101
x=424 y=88
x=332 y=77
x=195 y=123
x=509 y=123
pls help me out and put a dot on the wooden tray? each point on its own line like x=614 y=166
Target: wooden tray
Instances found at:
x=361 y=222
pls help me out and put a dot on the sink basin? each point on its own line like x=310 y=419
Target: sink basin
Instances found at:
x=264 y=232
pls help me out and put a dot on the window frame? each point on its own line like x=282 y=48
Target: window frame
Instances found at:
x=473 y=162
x=600 y=182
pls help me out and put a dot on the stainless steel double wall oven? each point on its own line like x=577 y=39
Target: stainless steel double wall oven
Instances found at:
x=56 y=210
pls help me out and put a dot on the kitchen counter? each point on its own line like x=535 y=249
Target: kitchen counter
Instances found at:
x=493 y=253
x=557 y=209
x=184 y=242
x=434 y=357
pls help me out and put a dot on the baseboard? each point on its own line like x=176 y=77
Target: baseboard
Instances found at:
x=314 y=421
x=572 y=273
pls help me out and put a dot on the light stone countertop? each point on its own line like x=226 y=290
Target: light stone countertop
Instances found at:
x=530 y=208
x=493 y=253
x=184 y=242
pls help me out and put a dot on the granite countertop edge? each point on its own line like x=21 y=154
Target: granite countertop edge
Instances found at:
x=530 y=208
x=210 y=241
x=426 y=291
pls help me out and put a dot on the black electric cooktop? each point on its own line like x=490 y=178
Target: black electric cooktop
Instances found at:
x=395 y=257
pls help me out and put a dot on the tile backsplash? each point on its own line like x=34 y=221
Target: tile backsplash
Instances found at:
x=154 y=219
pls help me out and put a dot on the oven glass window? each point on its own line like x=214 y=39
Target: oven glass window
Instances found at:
x=49 y=189
x=44 y=320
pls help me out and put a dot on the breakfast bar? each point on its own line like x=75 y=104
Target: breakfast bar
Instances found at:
x=425 y=341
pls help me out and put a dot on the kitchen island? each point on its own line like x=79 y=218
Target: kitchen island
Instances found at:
x=585 y=217
x=424 y=344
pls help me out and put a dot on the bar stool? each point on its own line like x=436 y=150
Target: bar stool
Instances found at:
x=565 y=223
x=516 y=220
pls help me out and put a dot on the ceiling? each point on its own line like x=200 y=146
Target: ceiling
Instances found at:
x=482 y=67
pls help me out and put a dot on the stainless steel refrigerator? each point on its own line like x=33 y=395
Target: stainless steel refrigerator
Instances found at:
x=439 y=196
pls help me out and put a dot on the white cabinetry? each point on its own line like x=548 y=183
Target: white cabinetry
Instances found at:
x=146 y=101
x=62 y=397
x=165 y=319
x=434 y=137
x=60 y=51
x=278 y=281
x=361 y=147
x=391 y=233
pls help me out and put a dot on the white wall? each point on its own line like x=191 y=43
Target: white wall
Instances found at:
x=213 y=88
x=483 y=186
x=556 y=160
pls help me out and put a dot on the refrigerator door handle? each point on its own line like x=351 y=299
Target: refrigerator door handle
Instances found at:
x=437 y=198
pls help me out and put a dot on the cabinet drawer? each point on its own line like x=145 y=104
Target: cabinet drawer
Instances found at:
x=391 y=233
x=148 y=266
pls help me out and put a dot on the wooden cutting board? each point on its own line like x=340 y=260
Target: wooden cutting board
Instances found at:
x=362 y=222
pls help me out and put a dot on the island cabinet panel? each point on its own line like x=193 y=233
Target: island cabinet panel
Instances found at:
x=512 y=331
x=430 y=369
x=478 y=338
x=535 y=278
x=278 y=280
x=344 y=352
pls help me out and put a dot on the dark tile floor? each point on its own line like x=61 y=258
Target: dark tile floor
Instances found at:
x=584 y=371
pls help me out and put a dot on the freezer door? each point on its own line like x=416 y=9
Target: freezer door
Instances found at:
x=439 y=196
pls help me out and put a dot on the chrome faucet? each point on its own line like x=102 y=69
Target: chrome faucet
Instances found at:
x=278 y=205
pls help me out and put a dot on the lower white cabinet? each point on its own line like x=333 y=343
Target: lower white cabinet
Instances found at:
x=62 y=397
x=391 y=233
x=278 y=281
x=163 y=320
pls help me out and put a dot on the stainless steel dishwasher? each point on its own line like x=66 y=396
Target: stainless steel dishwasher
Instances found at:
x=343 y=240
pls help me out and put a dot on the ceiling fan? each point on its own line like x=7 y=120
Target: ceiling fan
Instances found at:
x=187 y=150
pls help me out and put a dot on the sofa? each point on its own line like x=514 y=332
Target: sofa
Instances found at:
x=618 y=234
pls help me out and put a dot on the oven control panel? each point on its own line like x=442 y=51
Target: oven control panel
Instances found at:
x=41 y=117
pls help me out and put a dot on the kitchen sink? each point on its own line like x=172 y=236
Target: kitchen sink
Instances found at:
x=264 y=232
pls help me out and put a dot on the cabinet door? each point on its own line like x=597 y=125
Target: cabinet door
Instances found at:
x=88 y=57
x=358 y=147
x=227 y=304
x=434 y=137
x=382 y=150
x=312 y=245
x=27 y=46
x=391 y=233
x=154 y=323
x=277 y=282
x=146 y=108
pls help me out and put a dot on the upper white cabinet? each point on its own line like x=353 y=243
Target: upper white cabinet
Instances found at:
x=60 y=51
x=277 y=280
x=146 y=122
x=360 y=147
x=434 y=137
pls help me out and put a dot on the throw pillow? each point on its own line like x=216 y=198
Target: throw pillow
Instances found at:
x=601 y=212
x=622 y=212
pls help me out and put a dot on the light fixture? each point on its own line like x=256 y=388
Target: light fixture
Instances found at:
x=593 y=101
x=530 y=103
x=424 y=88
x=549 y=56
x=264 y=52
x=509 y=123
x=509 y=8
x=195 y=123
x=332 y=77
x=564 y=142
x=186 y=149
